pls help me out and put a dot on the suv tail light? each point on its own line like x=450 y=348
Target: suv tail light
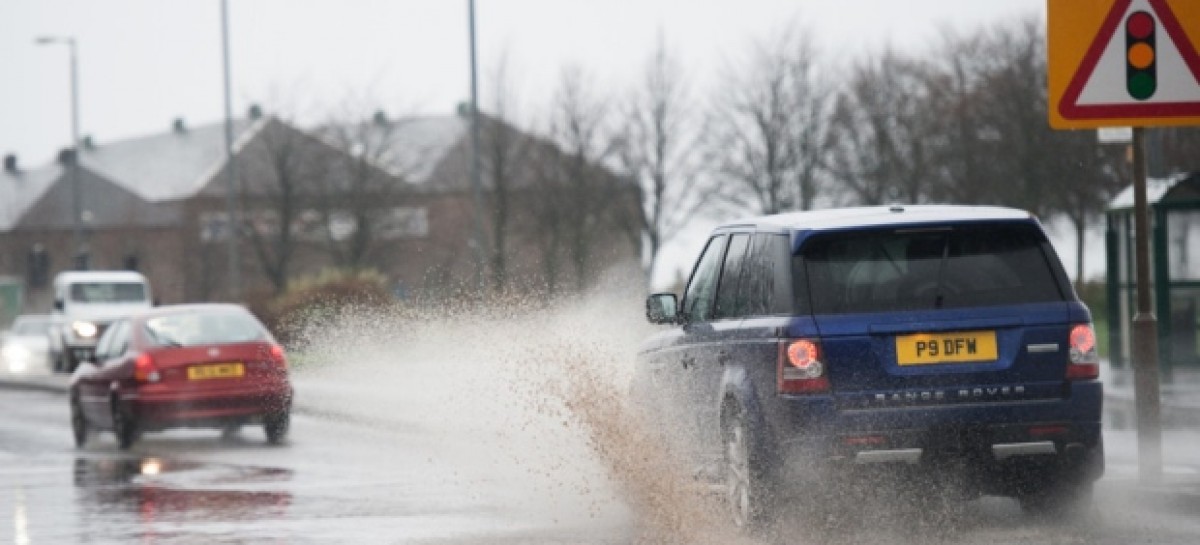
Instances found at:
x=800 y=368
x=144 y=369
x=1084 y=361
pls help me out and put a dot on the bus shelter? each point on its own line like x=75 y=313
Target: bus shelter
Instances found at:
x=1174 y=270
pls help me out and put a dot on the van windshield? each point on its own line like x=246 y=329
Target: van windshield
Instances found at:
x=918 y=269
x=108 y=292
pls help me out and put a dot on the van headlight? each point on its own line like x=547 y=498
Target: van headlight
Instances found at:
x=86 y=330
x=15 y=352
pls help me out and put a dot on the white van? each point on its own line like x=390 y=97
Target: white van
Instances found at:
x=85 y=303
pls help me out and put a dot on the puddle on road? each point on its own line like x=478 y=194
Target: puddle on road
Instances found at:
x=157 y=489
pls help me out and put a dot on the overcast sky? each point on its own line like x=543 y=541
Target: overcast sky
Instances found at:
x=145 y=62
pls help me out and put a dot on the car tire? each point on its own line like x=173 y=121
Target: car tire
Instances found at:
x=69 y=361
x=230 y=431
x=79 y=426
x=276 y=427
x=124 y=426
x=746 y=490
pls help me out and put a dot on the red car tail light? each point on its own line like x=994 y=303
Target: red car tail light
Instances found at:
x=1084 y=361
x=278 y=356
x=144 y=369
x=800 y=368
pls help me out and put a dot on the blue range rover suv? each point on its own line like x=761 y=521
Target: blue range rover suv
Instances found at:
x=812 y=347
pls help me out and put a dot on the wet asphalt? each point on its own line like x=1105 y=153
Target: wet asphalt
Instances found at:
x=431 y=477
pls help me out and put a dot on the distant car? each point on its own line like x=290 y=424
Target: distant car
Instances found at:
x=940 y=342
x=85 y=303
x=25 y=349
x=197 y=366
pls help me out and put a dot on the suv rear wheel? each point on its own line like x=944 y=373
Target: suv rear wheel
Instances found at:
x=745 y=488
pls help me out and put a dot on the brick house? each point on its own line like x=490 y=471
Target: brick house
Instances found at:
x=390 y=195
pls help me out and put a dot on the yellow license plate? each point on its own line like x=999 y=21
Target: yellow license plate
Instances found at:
x=934 y=348
x=216 y=370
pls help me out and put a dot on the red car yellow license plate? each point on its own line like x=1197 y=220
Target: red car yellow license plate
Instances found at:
x=935 y=348
x=216 y=370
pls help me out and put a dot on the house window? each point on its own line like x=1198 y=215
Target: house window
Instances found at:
x=405 y=222
x=214 y=226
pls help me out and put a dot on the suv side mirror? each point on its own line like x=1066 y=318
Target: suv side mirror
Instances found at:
x=662 y=308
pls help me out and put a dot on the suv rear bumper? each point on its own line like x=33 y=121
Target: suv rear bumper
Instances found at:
x=994 y=444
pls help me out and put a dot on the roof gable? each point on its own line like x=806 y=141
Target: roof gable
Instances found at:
x=168 y=166
x=20 y=190
x=104 y=204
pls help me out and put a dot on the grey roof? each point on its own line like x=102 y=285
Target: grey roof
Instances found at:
x=836 y=218
x=169 y=165
x=103 y=203
x=410 y=147
x=20 y=190
x=1156 y=189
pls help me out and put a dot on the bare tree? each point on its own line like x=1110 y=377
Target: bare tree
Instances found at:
x=506 y=149
x=1084 y=177
x=1014 y=101
x=657 y=150
x=962 y=145
x=548 y=206
x=878 y=131
x=279 y=175
x=578 y=124
x=1180 y=149
x=361 y=195
x=768 y=132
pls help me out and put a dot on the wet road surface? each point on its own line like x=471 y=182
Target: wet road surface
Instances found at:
x=333 y=482
x=509 y=430
x=339 y=481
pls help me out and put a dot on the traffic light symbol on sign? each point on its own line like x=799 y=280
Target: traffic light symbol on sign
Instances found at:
x=1140 y=78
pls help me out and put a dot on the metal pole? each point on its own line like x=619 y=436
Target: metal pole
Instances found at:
x=81 y=259
x=476 y=184
x=1145 y=330
x=231 y=197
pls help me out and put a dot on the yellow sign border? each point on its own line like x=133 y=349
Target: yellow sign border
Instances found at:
x=1072 y=26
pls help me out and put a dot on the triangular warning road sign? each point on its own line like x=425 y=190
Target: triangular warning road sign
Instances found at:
x=1141 y=64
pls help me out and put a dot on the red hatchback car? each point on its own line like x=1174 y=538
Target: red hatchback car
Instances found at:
x=186 y=366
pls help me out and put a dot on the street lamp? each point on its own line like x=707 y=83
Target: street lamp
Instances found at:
x=478 y=242
x=234 y=222
x=81 y=261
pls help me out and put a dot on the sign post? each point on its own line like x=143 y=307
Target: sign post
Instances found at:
x=1129 y=63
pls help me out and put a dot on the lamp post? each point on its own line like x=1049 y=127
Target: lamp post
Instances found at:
x=476 y=184
x=81 y=258
x=231 y=197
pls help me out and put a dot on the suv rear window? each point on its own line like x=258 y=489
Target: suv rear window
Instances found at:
x=928 y=268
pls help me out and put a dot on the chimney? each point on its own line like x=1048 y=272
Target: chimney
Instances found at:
x=66 y=156
x=255 y=111
x=178 y=127
x=10 y=163
x=89 y=142
x=380 y=118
